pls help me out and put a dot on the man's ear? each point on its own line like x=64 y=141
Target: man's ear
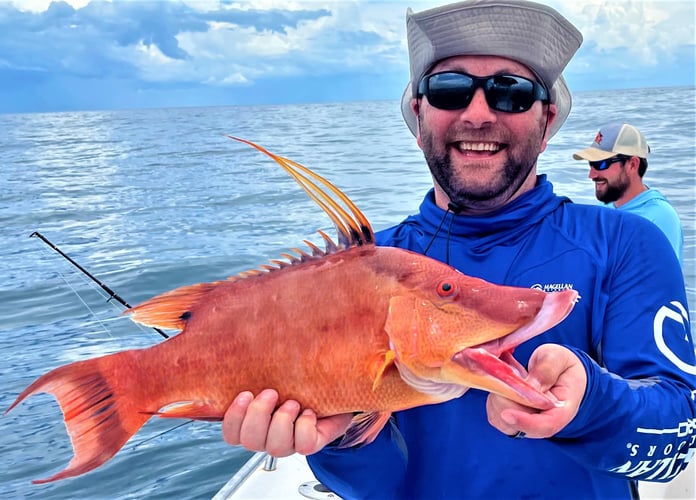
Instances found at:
x=633 y=163
x=552 y=111
x=415 y=107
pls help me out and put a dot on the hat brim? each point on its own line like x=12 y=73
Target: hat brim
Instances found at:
x=593 y=154
x=559 y=95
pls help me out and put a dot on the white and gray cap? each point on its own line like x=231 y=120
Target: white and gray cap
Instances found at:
x=613 y=139
x=533 y=34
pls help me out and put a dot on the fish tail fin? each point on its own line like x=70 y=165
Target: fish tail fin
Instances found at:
x=99 y=421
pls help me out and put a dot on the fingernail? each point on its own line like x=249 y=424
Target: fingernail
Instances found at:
x=243 y=399
x=268 y=394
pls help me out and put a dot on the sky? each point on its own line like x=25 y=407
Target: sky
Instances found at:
x=125 y=54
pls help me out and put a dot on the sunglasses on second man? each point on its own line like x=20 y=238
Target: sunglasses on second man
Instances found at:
x=605 y=164
x=451 y=90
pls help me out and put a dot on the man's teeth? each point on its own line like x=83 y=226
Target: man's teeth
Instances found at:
x=479 y=146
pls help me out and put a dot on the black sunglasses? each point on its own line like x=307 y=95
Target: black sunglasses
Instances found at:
x=508 y=93
x=605 y=164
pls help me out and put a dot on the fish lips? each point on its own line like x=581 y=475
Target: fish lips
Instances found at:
x=492 y=362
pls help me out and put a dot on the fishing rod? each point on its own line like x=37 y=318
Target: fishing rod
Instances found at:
x=117 y=298
x=109 y=291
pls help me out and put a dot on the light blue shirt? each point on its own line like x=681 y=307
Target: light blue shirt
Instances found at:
x=655 y=207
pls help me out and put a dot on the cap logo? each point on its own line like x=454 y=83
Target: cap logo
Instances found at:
x=598 y=138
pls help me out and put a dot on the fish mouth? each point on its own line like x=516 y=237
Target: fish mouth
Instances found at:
x=494 y=363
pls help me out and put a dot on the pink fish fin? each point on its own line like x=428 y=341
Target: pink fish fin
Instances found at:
x=364 y=428
x=351 y=224
x=171 y=309
x=385 y=361
x=99 y=419
x=195 y=410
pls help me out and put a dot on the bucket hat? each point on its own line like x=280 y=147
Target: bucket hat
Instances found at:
x=533 y=34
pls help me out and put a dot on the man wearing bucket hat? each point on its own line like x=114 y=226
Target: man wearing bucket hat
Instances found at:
x=618 y=159
x=485 y=94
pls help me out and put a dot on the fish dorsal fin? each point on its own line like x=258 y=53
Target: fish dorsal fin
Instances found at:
x=352 y=226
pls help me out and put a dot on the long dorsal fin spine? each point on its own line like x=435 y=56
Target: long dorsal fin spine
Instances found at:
x=341 y=218
x=358 y=216
x=345 y=224
x=352 y=227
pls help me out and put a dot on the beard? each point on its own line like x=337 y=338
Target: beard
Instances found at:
x=612 y=192
x=494 y=193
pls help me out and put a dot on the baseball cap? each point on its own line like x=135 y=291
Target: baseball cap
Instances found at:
x=613 y=139
x=533 y=34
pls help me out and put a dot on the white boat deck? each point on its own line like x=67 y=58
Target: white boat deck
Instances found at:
x=265 y=477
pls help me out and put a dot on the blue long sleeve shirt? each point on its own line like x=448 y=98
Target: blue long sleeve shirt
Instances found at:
x=652 y=205
x=630 y=329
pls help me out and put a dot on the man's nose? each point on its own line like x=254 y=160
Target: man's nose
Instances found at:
x=478 y=112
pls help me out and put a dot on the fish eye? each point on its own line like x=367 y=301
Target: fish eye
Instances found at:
x=445 y=289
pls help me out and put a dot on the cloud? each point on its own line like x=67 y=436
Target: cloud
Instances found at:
x=633 y=43
x=288 y=51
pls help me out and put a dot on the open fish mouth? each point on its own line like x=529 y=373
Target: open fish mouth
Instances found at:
x=494 y=361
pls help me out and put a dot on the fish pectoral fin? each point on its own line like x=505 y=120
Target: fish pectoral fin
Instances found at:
x=171 y=309
x=195 y=410
x=364 y=428
x=384 y=361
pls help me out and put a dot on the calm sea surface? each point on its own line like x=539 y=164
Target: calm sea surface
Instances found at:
x=147 y=200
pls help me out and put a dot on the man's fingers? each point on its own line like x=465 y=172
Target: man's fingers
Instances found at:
x=312 y=434
x=555 y=370
x=256 y=424
x=548 y=364
x=232 y=422
x=534 y=425
x=257 y=421
x=306 y=433
x=280 y=441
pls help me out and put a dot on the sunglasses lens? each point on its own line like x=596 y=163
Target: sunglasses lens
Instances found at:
x=605 y=164
x=450 y=90
x=599 y=165
x=511 y=94
x=508 y=93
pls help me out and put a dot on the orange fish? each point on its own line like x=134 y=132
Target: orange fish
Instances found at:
x=351 y=328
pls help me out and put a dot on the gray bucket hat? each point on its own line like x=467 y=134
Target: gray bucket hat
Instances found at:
x=530 y=33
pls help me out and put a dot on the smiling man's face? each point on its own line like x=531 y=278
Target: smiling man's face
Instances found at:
x=481 y=158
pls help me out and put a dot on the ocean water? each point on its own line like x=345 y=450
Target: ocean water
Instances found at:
x=147 y=200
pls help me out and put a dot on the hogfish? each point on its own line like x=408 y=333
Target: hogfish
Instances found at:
x=353 y=327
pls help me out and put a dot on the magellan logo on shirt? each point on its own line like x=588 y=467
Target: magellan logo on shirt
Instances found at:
x=552 y=287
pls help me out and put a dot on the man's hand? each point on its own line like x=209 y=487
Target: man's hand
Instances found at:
x=551 y=368
x=251 y=422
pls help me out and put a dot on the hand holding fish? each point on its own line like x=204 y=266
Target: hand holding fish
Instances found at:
x=253 y=423
x=553 y=369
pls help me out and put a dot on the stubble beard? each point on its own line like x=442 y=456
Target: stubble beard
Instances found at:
x=515 y=171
